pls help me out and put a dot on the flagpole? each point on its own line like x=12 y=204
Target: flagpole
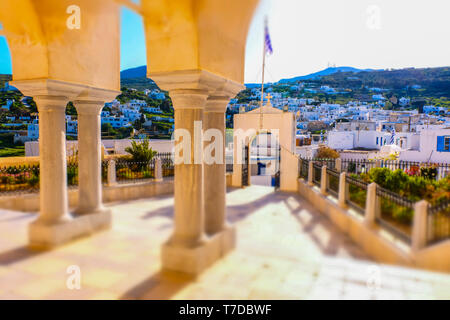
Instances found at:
x=263 y=67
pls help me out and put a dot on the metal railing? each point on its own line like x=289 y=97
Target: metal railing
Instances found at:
x=303 y=168
x=357 y=194
x=317 y=174
x=330 y=163
x=357 y=165
x=133 y=172
x=167 y=163
x=435 y=171
x=395 y=213
x=19 y=179
x=333 y=182
x=438 y=222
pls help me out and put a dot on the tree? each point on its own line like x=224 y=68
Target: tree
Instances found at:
x=327 y=153
x=141 y=152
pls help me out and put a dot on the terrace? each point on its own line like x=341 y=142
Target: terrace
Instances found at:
x=286 y=249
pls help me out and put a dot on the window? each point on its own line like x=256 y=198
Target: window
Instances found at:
x=443 y=144
x=377 y=140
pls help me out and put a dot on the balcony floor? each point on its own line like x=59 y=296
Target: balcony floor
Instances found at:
x=286 y=250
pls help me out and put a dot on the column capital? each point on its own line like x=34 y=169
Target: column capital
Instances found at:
x=88 y=107
x=91 y=100
x=188 y=98
x=196 y=79
x=97 y=95
x=49 y=87
x=217 y=104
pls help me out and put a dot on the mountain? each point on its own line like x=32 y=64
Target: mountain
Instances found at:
x=325 y=72
x=139 y=72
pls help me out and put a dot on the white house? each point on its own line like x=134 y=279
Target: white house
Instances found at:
x=152 y=110
x=116 y=122
x=434 y=147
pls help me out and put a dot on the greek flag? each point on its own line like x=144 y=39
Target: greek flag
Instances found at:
x=267 y=42
x=392 y=136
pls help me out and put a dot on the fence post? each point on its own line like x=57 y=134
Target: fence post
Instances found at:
x=371 y=205
x=342 y=190
x=158 y=169
x=323 y=180
x=419 y=228
x=112 y=173
x=378 y=163
x=310 y=173
x=338 y=164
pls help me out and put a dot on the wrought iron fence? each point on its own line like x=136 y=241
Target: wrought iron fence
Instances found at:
x=72 y=174
x=333 y=182
x=132 y=172
x=330 y=163
x=395 y=213
x=435 y=171
x=357 y=194
x=357 y=166
x=317 y=173
x=105 y=171
x=167 y=163
x=229 y=167
x=303 y=168
x=19 y=179
x=438 y=222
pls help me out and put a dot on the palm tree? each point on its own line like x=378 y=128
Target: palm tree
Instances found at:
x=141 y=152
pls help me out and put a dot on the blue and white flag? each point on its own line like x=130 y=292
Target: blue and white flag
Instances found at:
x=267 y=42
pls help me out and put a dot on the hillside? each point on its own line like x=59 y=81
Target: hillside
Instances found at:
x=325 y=72
x=426 y=81
x=4 y=78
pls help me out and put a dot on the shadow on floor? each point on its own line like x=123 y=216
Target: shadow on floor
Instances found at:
x=239 y=212
x=336 y=241
x=166 y=212
x=17 y=254
x=161 y=286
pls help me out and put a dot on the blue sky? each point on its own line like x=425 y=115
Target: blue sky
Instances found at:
x=309 y=35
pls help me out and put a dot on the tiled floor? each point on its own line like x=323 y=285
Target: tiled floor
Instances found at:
x=286 y=250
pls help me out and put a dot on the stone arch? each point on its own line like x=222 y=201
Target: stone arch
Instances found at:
x=267 y=119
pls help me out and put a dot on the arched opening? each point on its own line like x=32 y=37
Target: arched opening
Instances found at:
x=265 y=156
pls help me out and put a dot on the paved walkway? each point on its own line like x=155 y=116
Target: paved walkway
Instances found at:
x=286 y=250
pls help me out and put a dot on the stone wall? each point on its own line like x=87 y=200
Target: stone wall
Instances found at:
x=117 y=193
x=373 y=239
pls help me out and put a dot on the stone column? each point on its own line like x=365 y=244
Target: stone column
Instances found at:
x=53 y=164
x=323 y=180
x=310 y=173
x=158 y=170
x=342 y=190
x=371 y=205
x=89 y=157
x=419 y=228
x=215 y=171
x=112 y=173
x=189 y=250
x=338 y=164
x=189 y=221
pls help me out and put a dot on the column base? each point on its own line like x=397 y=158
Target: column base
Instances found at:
x=197 y=259
x=44 y=236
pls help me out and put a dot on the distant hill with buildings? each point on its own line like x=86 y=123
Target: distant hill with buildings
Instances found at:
x=420 y=81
